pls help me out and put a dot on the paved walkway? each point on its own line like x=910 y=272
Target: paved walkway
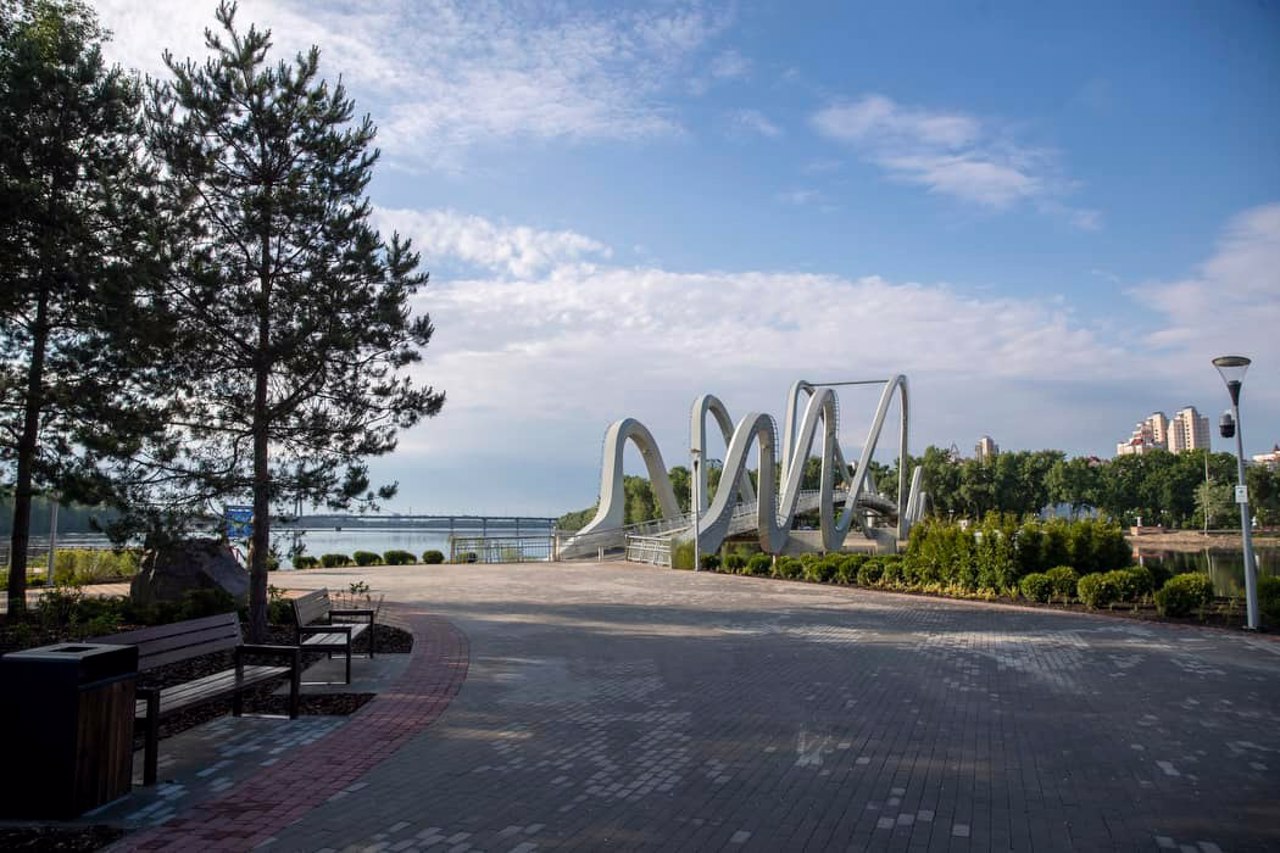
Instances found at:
x=636 y=708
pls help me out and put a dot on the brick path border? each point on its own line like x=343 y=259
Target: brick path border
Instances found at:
x=278 y=796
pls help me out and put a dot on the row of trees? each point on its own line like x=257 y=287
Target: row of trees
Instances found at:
x=1158 y=487
x=196 y=307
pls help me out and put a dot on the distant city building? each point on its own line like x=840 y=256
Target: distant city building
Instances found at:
x=986 y=449
x=1188 y=430
x=1270 y=460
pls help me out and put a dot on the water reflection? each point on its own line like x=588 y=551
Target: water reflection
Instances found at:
x=1224 y=566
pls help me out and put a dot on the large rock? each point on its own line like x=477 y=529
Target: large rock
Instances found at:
x=170 y=572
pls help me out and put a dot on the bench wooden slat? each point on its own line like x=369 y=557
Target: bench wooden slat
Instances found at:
x=209 y=687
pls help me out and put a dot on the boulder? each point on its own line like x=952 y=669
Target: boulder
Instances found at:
x=168 y=573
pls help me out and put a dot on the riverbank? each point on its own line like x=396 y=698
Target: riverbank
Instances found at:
x=1195 y=540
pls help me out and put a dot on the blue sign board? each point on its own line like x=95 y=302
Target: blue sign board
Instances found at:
x=239 y=521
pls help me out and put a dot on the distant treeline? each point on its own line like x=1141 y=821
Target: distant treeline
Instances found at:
x=72 y=518
x=1159 y=487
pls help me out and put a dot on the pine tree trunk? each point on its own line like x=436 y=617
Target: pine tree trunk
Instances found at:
x=21 y=536
x=260 y=541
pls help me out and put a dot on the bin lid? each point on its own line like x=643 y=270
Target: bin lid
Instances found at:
x=87 y=661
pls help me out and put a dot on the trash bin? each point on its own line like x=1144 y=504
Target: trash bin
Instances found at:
x=67 y=715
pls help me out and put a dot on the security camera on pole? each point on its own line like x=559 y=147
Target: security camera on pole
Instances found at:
x=1232 y=368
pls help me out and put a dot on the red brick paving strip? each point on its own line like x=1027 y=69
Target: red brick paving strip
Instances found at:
x=304 y=778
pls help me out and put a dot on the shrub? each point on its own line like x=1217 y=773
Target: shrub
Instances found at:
x=432 y=557
x=788 y=568
x=759 y=565
x=1063 y=579
x=1269 y=599
x=205 y=602
x=892 y=573
x=870 y=572
x=305 y=562
x=682 y=555
x=333 y=561
x=847 y=568
x=1036 y=586
x=710 y=562
x=1184 y=594
x=396 y=557
x=1097 y=590
x=1141 y=582
x=366 y=558
x=734 y=562
x=823 y=570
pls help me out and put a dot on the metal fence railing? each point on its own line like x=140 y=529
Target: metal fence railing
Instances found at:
x=502 y=549
x=655 y=550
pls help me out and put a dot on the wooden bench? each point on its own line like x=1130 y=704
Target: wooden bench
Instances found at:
x=320 y=628
x=180 y=641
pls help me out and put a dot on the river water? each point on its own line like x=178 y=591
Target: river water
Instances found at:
x=1224 y=566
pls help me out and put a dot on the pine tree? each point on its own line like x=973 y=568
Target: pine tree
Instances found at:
x=79 y=245
x=295 y=331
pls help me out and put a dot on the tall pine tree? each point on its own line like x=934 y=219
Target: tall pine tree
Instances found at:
x=295 y=329
x=79 y=245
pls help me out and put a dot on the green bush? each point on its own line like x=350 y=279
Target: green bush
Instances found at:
x=1036 y=586
x=847 y=568
x=1097 y=590
x=710 y=562
x=1141 y=582
x=870 y=572
x=366 y=558
x=892 y=574
x=788 y=568
x=334 y=561
x=759 y=565
x=432 y=557
x=1269 y=600
x=1063 y=579
x=1184 y=594
x=822 y=570
x=734 y=562
x=682 y=555
x=305 y=562
x=397 y=557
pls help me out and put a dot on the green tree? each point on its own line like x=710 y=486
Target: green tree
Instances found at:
x=295 y=322
x=1075 y=482
x=78 y=250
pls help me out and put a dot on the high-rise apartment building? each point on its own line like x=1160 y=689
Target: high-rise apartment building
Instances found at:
x=986 y=448
x=1189 y=430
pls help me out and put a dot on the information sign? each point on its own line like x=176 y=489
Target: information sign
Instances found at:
x=239 y=521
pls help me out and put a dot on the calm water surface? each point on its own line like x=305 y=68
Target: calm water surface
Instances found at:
x=1224 y=566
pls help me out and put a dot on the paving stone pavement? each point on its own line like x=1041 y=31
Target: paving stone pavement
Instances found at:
x=625 y=707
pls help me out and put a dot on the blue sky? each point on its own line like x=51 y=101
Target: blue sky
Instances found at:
x=1049 y=216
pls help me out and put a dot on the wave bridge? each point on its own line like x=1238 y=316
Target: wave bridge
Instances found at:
x=847 y=501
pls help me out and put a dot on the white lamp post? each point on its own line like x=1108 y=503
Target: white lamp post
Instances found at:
x=1232 y=368
x=693 y=506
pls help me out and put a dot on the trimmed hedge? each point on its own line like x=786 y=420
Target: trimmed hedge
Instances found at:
x=397 y=557
x=334 y=561
x=1184 y=594
x=1063 y=579
x=758 y=565
x=366 y=558
x=1036 y=586
x=1097 y=590
x=432 y=557
x=1269 y=599
x=305 y=562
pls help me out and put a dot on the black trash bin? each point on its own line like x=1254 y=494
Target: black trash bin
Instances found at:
x=67 y=716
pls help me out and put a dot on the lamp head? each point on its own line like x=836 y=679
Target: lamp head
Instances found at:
x=1232 y=369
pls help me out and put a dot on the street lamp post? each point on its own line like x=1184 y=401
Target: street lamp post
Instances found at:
x=693 y=506
x=1232 y=368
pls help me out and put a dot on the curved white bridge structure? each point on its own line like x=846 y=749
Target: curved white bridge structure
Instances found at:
x=736 y=508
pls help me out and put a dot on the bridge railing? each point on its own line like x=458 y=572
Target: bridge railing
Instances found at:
x=502 y=549
x=655 y=550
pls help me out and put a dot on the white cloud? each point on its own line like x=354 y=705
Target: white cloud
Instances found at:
x=730 y=65
x=447 y=75
x=518 y=250
x=753 y=122
x=1231 y=304
x=950 y=153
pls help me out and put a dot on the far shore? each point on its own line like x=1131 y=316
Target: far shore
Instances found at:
x=1195 y=540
